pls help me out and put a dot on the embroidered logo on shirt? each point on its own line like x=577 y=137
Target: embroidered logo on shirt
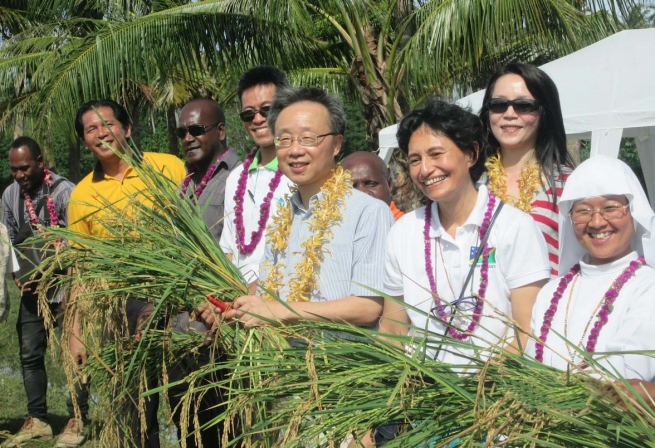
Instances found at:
x=474 y=250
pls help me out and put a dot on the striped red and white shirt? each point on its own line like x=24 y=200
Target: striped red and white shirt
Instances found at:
x=546 y=213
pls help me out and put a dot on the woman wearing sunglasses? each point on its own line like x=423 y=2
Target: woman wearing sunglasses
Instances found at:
x=603 y=299
x=462 y=263
x=528 y=163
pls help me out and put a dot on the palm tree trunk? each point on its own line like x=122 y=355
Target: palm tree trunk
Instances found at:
x=573 y=147
x=171 y=124
x=136 y=127
x=74 y=174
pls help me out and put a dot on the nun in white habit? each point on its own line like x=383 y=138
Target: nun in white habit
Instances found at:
x=604 y=299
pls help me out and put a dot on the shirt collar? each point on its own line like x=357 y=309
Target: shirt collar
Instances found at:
x=272 y=165
x=298 y=207
x=229 y=160
x=615 y=267
x=99 y=173
x=474 y=219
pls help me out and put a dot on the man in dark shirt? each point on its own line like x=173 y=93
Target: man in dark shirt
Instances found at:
x=37 y=199
x=209 y=163
x=208 y=160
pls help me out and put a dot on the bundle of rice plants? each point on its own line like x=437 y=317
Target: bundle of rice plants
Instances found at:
x=329 y=389
x=159 y=251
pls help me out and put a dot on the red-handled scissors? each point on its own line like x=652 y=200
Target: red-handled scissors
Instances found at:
x=218 y=303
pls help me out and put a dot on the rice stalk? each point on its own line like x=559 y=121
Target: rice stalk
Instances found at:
x=321 y=393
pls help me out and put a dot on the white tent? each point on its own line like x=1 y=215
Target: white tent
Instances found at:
x=607 y=91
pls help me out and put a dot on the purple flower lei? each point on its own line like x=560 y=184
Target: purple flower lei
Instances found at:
x=264 y=209
x=50 y=205
x=484 y=269
x=601 y=318
x=203 y=183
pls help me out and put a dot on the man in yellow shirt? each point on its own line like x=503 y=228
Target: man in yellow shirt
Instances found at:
x=104 y=127
x=112 y=180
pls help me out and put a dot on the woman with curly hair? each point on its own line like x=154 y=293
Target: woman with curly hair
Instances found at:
x=462 y=263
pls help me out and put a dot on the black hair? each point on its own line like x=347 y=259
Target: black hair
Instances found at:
x=550 y=149
x=286 y=97
x=460 y=125
x=261 y=75
x=120 y=114
x=29 y=143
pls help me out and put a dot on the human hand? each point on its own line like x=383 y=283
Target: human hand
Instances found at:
x=254 y=311
x=642 y=389
x=210 y=315
x=367 y=441
x=21 y=286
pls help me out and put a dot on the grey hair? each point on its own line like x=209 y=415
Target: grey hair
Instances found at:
x=286 y=97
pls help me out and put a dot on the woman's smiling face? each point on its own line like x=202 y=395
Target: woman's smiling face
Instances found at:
x=513 y=131
x=604 y=240
x=437 y=165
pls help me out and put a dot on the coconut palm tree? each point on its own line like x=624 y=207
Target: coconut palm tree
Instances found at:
x=390 y=53
x=395 y=52
x=156 y=54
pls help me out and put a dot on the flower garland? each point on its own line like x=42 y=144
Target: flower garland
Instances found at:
x=203 y=183
x=484 y=270
x=601 y=318
x=50 y=205
x=529 y=181
x=264 y=209
x=327 y=213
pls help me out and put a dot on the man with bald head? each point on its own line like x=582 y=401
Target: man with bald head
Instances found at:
x=371 y=176
x=208 y=160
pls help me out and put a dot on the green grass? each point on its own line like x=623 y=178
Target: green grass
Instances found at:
x=13 y=402
x=13 y=405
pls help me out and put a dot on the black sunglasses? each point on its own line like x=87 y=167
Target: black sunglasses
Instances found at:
x=500 y=105
x=195 y=130
x=249 y=114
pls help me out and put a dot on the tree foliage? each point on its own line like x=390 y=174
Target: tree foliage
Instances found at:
x=389 y=54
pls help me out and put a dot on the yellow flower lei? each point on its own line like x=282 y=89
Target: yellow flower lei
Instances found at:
x=529 y=181
x=327 y=213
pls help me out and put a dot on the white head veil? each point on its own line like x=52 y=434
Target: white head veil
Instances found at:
x=600 y=176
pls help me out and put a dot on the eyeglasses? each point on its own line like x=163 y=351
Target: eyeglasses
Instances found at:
x=249 y=114
x=307 y=140
x=464 y=304
x=610 y=213
x=195 y=130
x=525 y=106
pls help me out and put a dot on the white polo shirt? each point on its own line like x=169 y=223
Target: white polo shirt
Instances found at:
x=257 y=185
x=518 y=257
x=629 y=327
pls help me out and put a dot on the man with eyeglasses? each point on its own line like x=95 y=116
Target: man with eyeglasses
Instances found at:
x=254 y=191
x=330 y=239
x=208 y=161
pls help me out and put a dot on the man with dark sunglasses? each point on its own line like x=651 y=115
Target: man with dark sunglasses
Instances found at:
x=201 y=131
x=253 y=192
x=208 y=160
